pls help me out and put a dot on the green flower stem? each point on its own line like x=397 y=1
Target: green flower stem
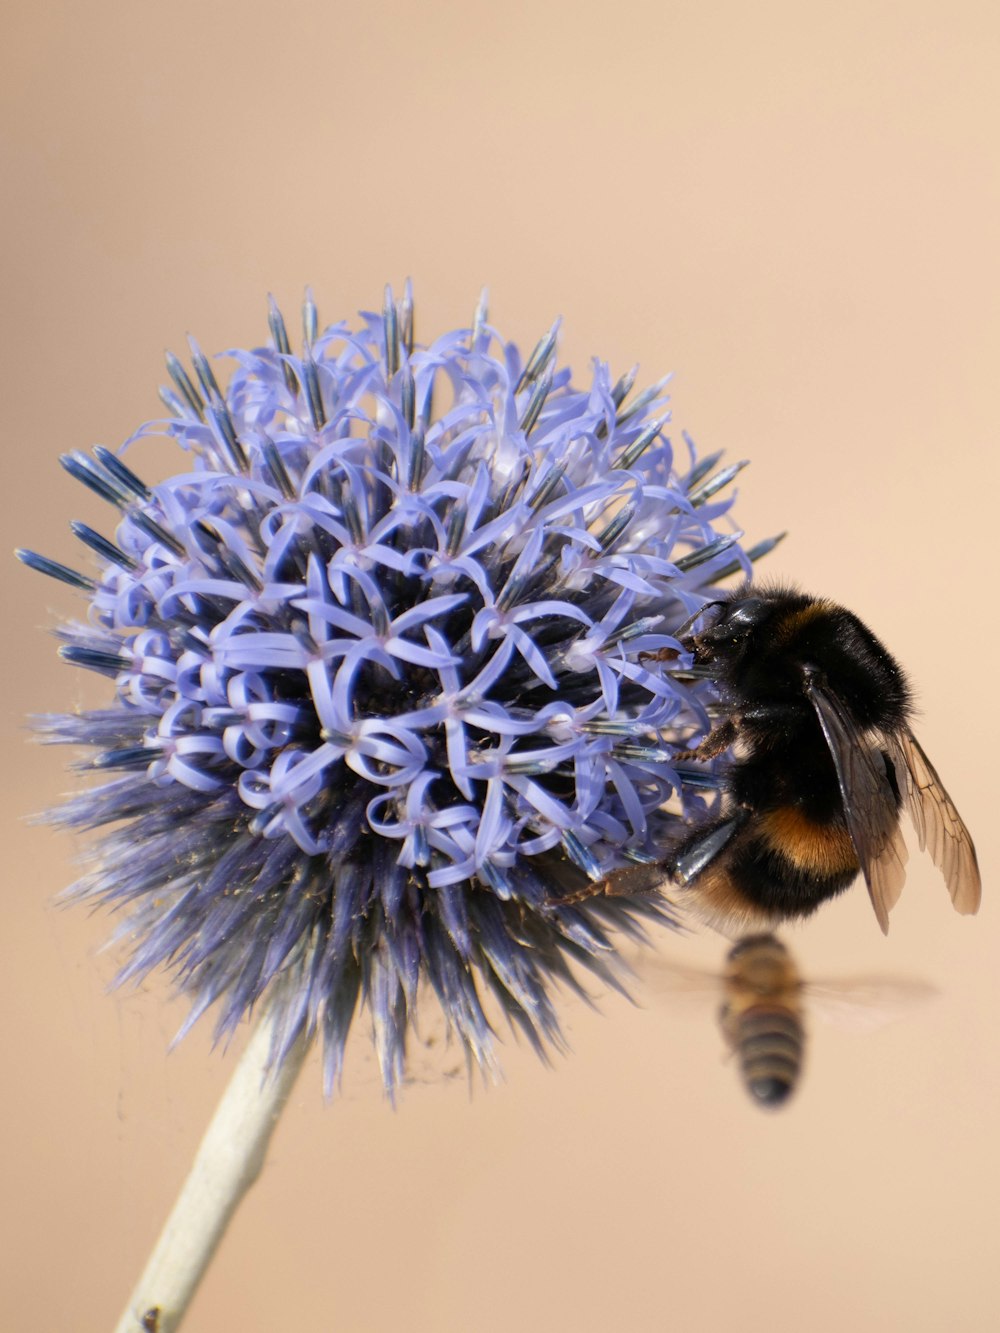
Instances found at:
x=228 y=1161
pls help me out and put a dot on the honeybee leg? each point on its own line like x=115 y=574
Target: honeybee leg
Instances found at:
x=720 y=738
x=702 y=847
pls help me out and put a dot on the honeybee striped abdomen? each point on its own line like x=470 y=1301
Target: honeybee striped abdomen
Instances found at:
x=761 y=1018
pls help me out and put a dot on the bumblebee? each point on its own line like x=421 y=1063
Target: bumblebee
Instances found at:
x=816 y=717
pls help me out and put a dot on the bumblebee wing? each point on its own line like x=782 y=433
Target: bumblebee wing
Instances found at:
x=869 y=800
x=863 y=1004
x=938 y=824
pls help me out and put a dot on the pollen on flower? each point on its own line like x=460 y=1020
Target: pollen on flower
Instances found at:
x=380 y=704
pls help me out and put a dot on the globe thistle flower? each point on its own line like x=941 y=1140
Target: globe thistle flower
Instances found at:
x=380 y=710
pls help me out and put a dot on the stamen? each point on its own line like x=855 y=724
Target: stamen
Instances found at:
x=535 y=404
x=156 y=532
x=187 y=390
x=415 y=473
x=277 y=469
x=407 y=396
x=716 y=483
x=617 y=526
x=310 y=319
x=132 y=757
x=313 y=395
x=539 y=358
x=206 y=376
x=390 y=325
x=54 y=570
x=754 y=554
x=122 y=474
x=643 y=400
x=630 y=456
x=107 y=663
x=224 y=424
x=279 y=336
x=547 y=489
x=702 y=468
x=105 y=549
x=708 y=552
x=227 y=558
x=80 y=467
x=480 y=319
x=580 y=856
x=624 y=386
x=406 y=318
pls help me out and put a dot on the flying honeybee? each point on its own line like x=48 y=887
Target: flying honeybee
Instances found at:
x=817 y=717
x=762 y=1015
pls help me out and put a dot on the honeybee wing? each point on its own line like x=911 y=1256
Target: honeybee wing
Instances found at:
x=864 y=1003
x=664 y=976
x=657 y=973
x=938 y=824
x=859 y=1002
x=869 y=800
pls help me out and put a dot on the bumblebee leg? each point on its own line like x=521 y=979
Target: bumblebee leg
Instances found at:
x=718 y=739
x=636 y=881
x=774 y=714
x=756 y=716
x=701 y=848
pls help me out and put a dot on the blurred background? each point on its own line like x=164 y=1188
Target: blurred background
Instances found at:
x=796 y=209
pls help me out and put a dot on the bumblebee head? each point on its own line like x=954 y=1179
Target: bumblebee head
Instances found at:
x=728 y=628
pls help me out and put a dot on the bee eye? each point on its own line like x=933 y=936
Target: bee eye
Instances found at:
x=743 y=616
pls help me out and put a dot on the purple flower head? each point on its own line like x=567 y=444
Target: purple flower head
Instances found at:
x=380 y=708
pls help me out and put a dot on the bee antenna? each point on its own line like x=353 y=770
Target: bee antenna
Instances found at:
x=683 y=629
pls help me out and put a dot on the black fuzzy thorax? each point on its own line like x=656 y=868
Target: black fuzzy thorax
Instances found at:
x=787 y=759
x=797 y=631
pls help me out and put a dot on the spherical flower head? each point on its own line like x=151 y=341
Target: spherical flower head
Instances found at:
x=381 y=709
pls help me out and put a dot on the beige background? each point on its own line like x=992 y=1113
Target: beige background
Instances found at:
x=795 y=207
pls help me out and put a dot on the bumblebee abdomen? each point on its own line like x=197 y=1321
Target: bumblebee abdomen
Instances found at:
x=783 y=866
x=769 y=1044
x=809 y=846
